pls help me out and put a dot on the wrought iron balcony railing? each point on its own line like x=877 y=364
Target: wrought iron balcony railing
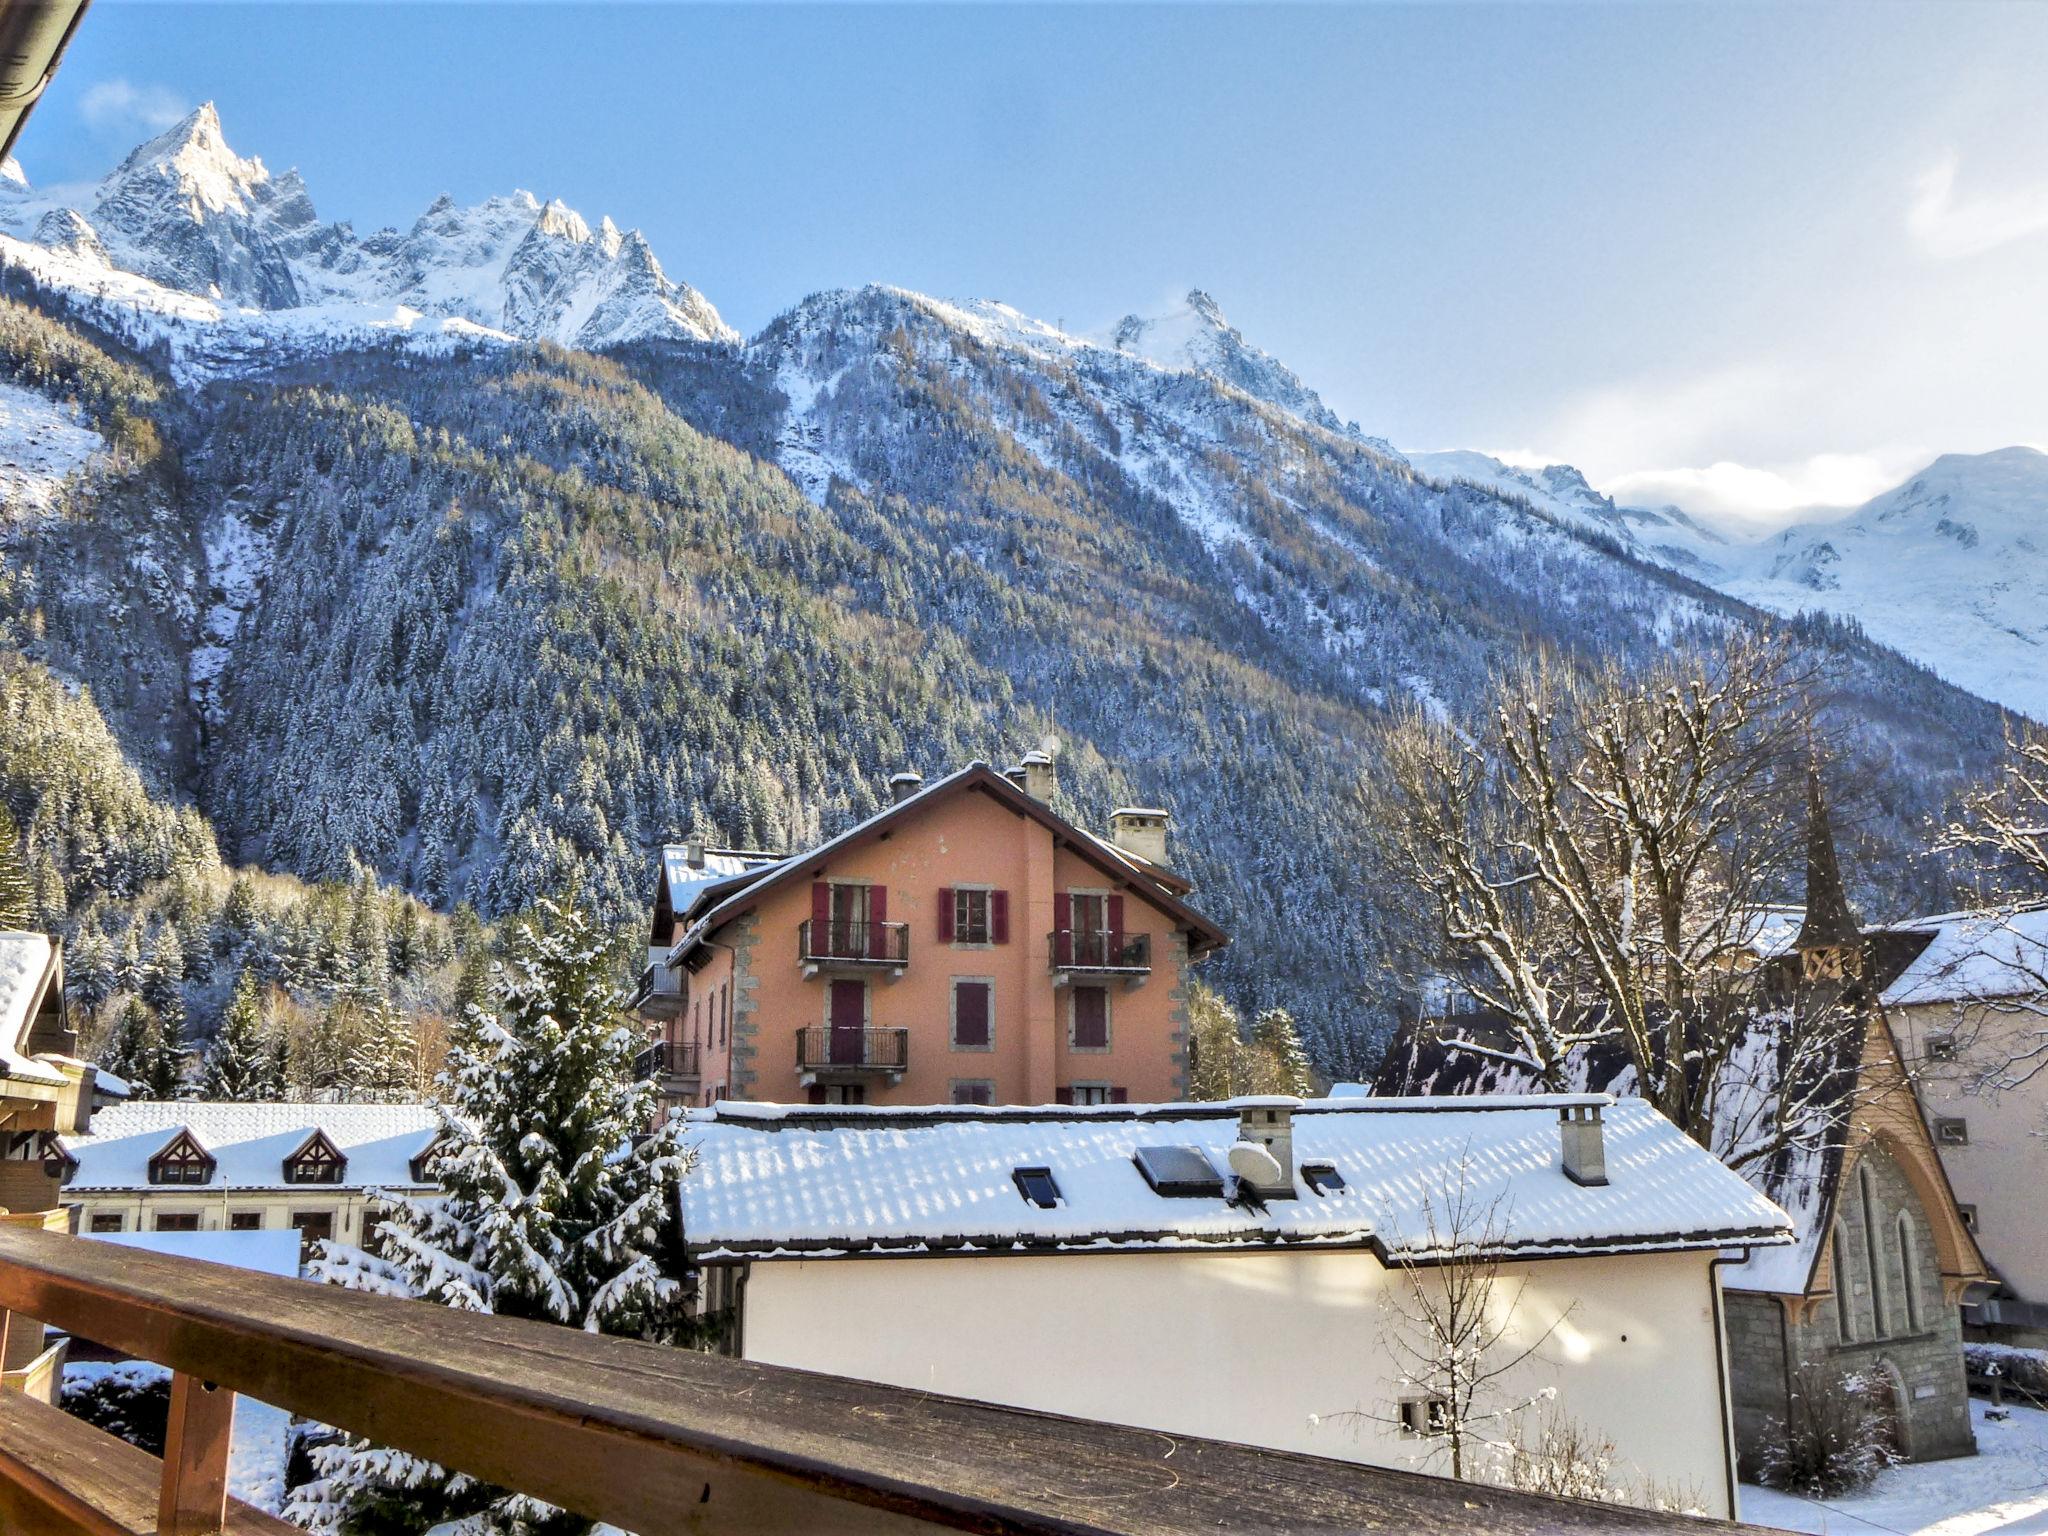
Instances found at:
x=667 y=1058
x=824 y=1048
x=847 y=943
x=1100 y=949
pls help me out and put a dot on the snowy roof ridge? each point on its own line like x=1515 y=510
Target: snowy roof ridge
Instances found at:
x=25 y=960
x=250 y=1143
x=778 y=1181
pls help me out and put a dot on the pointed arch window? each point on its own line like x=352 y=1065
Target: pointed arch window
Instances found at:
x=1909 y=1270
x=182 y=1161
x=1873 y=1255
x=1845 y=1302
x=318 y=1161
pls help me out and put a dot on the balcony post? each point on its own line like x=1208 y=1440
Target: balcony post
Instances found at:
x=194 y=1499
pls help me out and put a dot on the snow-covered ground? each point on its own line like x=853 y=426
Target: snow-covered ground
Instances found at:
x=42 y=444
x=2003 y=1489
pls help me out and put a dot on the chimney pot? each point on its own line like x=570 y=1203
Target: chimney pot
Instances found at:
x=1585 y=1143
x=693 y=852
x=905 y=784
x=1141 y=831
x=1038 y=776
x=1263 y=1158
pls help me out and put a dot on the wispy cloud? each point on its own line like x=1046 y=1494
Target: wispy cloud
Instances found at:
x=1949 y=227
x=122 y=106
x=1760 y=498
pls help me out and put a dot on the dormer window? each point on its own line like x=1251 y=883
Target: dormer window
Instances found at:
x=422 y=1161
x=184 y=1161
x=318 y=1161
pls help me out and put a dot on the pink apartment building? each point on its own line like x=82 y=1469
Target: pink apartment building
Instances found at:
x=966 y=945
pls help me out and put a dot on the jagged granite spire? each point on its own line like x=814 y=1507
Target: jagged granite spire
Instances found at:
x=1829 y=924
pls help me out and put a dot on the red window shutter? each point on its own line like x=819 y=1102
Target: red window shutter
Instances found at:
x=945 y=914
x=1091 y=1018
x=1063 y=1095
x=970 y=1013
x=821 y=913
x=1116 y=927
x=999 y=917
x=878 y=914
x=1119 y=1095
x=1063 y=927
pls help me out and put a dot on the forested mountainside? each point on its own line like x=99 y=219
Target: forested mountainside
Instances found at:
x=482 y=615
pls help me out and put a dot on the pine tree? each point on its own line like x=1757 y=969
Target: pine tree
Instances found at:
x=1215 y=1046
x=1283 y=1066
x=132 y=1048
x=383 y=1059
x=550 y=1211
x=239 y=1060
x=17 y=890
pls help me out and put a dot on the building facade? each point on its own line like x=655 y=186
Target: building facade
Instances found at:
x=215 y=1167
x=965 y=945
x=1146 y=1265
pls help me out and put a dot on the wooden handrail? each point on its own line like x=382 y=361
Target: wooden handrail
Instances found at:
x=662 y=1440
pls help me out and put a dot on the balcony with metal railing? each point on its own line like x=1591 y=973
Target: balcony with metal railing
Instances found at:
x=659 y=992
x=826 y=1052
x=845 y=946
x=1100 y=951
x=651 y=1439
x=666 y=1061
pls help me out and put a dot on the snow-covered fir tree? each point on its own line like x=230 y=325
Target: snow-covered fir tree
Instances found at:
x=133 y=1050
x=17 y=891
x=1278 y=1040
x=383 y=1058
x=550 y=1212
x=241 y=1063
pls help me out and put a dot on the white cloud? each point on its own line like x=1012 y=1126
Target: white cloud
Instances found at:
x=123 y=106
x=1949 y=227
x=1759 y=498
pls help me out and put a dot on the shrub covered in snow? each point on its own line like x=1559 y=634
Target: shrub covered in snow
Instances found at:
x=128 y=1398
x=2022 y=1370
x=1837 y=1438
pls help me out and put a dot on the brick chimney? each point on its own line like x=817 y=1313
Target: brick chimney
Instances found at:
x=1263 y=1155
x=903 y=785
x=1585 y=1143
x=1141 y=830
x=1038 y=776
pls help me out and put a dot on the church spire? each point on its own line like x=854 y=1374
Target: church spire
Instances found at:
x=1829 y=923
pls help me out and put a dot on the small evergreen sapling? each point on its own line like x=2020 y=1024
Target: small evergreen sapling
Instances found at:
x=549 y=1211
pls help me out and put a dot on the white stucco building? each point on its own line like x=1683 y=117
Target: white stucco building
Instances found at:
x=1109 y=1263
x=212 y=1167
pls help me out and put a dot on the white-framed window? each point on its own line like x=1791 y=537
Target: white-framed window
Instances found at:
x=973 y=1090
x=1088 y=1018
x=974 y=1013
x=1092 y=1093
x=1425 y=1415
x=971 y=923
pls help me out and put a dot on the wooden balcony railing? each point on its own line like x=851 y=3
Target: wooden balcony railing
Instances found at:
x=667 y=1058
x=1100 y=949
x=837 y=944
x=655 y=1440
x=822 y=1048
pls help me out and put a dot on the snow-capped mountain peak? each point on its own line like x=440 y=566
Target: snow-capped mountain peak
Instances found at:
x=12 y=176
x=191 y=216
x=1196 y=335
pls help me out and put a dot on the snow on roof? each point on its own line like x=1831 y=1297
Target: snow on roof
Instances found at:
x=1975 y=955
x=24 y=962
x=798 y=1181
x=275 y=1252
x=250 y=1142
x=687 y=880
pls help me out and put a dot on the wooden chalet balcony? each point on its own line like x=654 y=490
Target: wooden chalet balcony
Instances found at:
x=848 y=946
x=655 y=1440
x=824 y=1052
x=1103 y=951
x=667 y=1060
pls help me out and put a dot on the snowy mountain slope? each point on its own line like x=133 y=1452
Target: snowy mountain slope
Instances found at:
x=42 y=445
x=1951 y=568
x=190 y=216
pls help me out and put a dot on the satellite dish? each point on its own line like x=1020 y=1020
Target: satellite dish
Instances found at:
x=1256 y=1166
x=1050 y=746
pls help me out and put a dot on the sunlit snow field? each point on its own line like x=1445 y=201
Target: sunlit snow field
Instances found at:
x=2003 y=1490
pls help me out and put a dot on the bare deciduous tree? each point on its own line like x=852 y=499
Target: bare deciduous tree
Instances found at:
x=1599 y=856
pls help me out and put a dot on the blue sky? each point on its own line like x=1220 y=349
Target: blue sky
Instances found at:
x=1748 y=257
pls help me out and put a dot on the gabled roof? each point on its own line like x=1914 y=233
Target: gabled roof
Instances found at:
x=250 y=1142
x=790 y=1181
x=1975 y=956
x=183 y=1138
x=316 y=1138
x=28 y=966
x=684 y=881
x=717 y=901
